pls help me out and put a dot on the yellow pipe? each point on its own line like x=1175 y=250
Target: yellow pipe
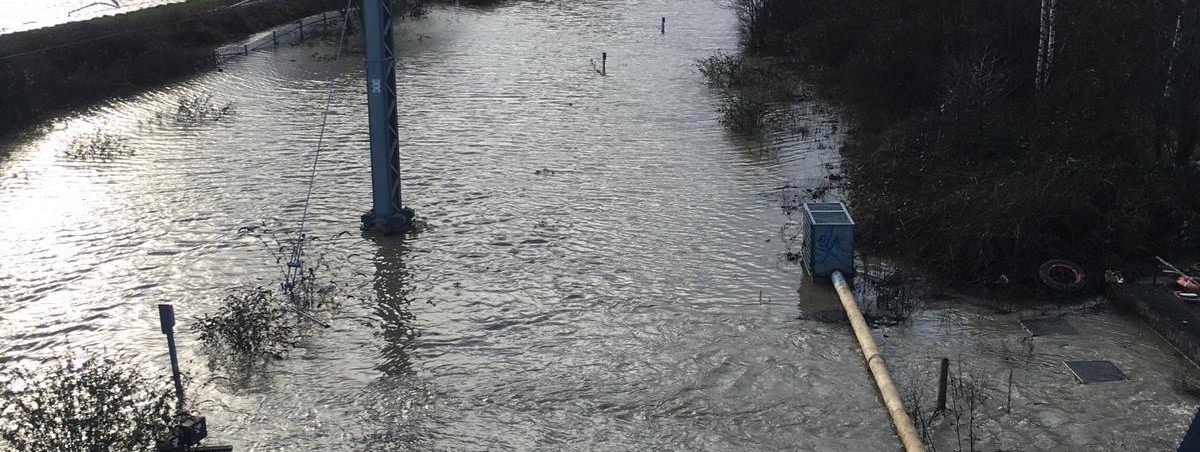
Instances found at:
x=891 y=398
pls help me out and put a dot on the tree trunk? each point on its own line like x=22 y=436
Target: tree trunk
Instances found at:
x=1046 y=34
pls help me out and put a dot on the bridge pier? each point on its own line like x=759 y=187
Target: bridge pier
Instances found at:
x=387 y=215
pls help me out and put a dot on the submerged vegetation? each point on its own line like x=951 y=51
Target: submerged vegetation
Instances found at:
x=251 y=322
x=48 y=70
x=255 y=322
x=977 y=156
x=750 y=91
x=94 y=405
x=199 y=108
x=99 y=145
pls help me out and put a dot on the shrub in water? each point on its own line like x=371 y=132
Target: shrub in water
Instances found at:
x=98 y=146
x=94 y=405
x=191 y=110
x=749 y=91
x=250 y=321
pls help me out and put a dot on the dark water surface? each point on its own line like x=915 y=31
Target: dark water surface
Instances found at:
x=633 y=298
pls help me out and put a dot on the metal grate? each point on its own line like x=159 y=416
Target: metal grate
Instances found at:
x=830 y=218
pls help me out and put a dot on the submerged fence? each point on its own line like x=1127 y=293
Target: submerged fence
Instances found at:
x=291 y=34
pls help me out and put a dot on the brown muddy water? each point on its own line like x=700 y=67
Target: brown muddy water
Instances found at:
x=635 y=297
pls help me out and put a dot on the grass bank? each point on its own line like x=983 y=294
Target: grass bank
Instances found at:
x=49 y=70
x=989 y=137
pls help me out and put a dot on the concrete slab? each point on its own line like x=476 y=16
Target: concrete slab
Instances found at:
x=1095 y=371
x=1050 y=326
x=1175 y=320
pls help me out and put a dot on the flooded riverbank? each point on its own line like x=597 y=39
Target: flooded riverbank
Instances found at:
x=633 y=297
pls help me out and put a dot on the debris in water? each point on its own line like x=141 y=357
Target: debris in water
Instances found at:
x=1055 y=326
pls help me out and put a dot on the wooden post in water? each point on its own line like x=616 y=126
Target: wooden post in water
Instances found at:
x=941 y=401
x=301 y=25
x=274 y=38
x=1008 y=405
x=604 y=63
x=245 y=49
x=663 y=30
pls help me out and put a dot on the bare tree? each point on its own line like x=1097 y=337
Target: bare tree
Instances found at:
x=1174 y=48
x=1045 y=57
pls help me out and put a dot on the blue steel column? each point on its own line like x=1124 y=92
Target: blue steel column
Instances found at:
x=388 y=214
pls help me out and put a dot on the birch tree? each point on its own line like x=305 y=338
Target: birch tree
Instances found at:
x=1045 y=55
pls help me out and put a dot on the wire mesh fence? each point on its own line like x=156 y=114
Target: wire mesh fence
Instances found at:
x=292 y=34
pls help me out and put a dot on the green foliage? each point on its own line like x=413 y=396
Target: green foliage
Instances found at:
x=251 y=322
x=94 y=405
x=99 y=145
x=261 y=322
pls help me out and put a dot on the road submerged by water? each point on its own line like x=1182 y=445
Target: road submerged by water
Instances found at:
x=634 y=297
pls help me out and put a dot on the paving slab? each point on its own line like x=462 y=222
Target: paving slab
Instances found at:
x=1095 y=371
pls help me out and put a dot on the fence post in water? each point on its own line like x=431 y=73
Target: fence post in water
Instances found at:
x=1008 y=405
x=301 y=25
x=245 y=49
x=941 y=401
x=274 y=38
x=604 y=63
x=663 y=30
x=166 y=317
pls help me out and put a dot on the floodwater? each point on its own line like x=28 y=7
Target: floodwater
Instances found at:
x=21 y=15
x=633 y=297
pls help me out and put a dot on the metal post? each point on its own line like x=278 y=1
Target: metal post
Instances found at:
x=301 y=25
x=274 y=38
x=166 y=317
x=664 y=26
x=245 y=49
x=604 y=63
x=942 y=381
x=388 y=215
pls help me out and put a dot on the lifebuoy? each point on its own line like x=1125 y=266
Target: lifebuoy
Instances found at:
x=1188 y=283
x=1189 y=297
x=1062 y=275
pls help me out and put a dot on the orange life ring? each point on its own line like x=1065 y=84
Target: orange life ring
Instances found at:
x=1062 y=275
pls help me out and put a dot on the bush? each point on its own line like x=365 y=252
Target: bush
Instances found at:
x=100 y=145
x=94 y=405
x=199 y=108
x=750 y=91
x=961 y=163
x=259 y=321
x=251 y=322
